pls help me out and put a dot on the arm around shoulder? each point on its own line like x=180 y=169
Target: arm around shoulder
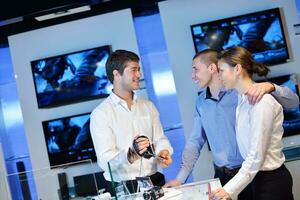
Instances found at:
x=286 y=97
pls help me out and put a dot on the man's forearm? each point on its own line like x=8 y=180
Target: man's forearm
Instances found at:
x=286 y=97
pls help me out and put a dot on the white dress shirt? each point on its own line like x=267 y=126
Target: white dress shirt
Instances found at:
x=259 y=132
x=113 y=128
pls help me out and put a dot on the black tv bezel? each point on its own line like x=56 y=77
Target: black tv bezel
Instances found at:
x=67 y=102
x=275 y=10
x=52 y=162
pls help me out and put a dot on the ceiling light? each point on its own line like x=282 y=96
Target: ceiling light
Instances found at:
x=63 y=13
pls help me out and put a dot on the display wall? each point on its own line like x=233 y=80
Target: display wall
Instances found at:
x=115 y=29
x=177 y=16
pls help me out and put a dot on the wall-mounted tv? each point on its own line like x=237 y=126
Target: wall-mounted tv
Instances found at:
x=71 y=77
x=261 y=33
x=291 y=123
x=68 y=139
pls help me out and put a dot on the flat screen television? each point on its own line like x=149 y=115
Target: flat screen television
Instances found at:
x=261 y=33
x=69 y=139
x=71 y=77
x=291 y=123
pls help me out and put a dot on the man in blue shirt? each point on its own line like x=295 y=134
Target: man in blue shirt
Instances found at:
x=214 y=120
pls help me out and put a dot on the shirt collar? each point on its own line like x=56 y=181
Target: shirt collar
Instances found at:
x=117 y=100
x=209 y=96
x=243 y=98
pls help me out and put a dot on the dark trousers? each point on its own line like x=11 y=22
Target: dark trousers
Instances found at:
x=157 y=179
x=225 y=174
x=273 y=185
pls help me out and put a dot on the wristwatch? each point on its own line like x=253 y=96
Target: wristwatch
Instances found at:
x=273 y=86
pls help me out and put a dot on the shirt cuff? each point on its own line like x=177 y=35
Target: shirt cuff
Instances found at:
x=277 y=90
x=159 y=148
x=235 y=185
x=182 y=175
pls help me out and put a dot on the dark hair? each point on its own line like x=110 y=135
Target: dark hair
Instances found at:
x=118 y=61
x=207 y=56
x=239 y=55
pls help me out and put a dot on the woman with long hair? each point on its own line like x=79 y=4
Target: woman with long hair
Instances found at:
x=258 y=132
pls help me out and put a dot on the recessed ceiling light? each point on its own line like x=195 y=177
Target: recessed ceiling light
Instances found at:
x=63 y=13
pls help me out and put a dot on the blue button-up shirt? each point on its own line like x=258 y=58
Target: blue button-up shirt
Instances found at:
x=217 y=118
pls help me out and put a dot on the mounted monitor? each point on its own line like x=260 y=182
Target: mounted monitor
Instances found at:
x=69 y=139
x=71 y=77
x=261 y=33
x=291 y=123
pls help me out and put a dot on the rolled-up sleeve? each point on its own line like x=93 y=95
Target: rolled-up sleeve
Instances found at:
x=192 y=149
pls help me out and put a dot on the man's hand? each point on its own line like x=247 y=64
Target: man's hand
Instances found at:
x=220 y=194
x=164 y=158
x=142 y=144
x=173 y=183
x=258 y=90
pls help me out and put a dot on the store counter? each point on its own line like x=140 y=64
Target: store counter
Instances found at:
x=191 y=191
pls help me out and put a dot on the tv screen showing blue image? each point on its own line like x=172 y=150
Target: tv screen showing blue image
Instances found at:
x=69 y=139
x=71 y=77
x=261 y=33
x=291 y=123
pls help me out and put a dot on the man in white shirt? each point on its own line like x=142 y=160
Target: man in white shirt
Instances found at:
x=119 y=120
